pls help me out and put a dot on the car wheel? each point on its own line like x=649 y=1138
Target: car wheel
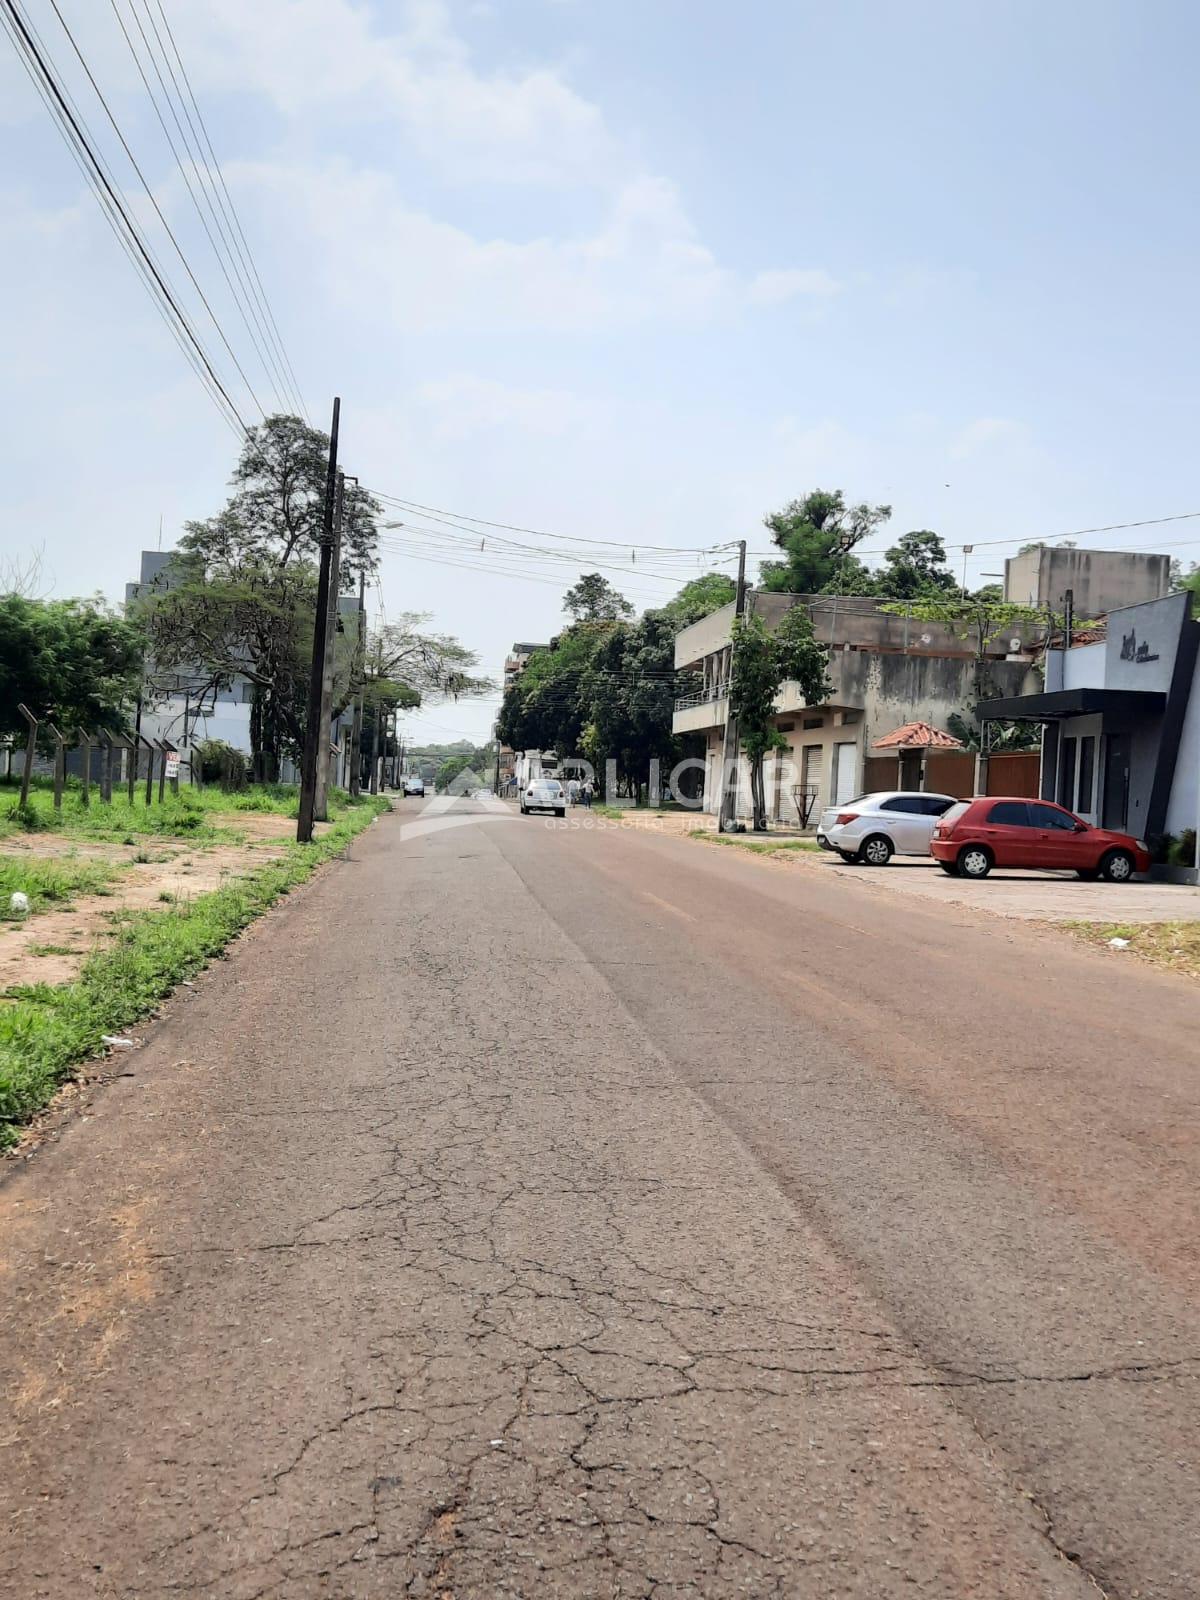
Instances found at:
x=1117 y=866
x=847 y=856
x=950 y=867
x=974 y=861
x=876 y=851
x=560 y=811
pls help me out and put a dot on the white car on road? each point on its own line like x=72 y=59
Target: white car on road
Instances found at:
x=875 y=827
x=544 y=794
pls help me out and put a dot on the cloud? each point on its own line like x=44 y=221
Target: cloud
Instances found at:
x=332 y=58
x=464 y=404
x=773 y=287
x=417 y=274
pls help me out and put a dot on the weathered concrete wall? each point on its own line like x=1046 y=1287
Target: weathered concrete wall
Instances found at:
x=1100 y=580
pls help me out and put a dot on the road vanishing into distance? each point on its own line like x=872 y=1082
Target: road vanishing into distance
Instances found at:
x=543 y=1211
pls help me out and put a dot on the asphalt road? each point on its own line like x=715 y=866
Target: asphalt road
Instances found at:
x=561 y=1211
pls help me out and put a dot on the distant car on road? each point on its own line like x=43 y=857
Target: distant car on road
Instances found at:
x=544 y=794
x=875 y=827
x=482 y=794
x=1007 y=831
x=414 y=785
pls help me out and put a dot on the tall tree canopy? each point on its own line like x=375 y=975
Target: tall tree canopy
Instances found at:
x=915 y=567
x=594 y=599
x=818 y=535
x=72 y=662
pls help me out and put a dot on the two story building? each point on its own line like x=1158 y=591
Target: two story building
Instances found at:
x=886 y=671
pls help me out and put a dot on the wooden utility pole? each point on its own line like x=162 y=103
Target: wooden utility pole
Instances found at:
x=376 y=720
x=727 y=809
x=360 y=660
x=313 y=730
x=321 y=801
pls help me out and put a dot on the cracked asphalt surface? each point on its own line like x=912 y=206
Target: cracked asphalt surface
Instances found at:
x=549 y=1211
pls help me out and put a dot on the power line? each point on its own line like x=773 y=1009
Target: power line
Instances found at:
x=457 y=518
x=137 y=61
x=115 y=213
x=236 y=219
x=150 y=194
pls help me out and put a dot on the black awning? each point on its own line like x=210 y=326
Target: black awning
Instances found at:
x=1071 y=703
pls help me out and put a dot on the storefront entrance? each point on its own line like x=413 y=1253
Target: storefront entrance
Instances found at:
x=1117 y=757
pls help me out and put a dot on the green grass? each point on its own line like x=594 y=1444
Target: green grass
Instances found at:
x=46 y=1030
x=1174 y=945
x=188 y=813
x=758 y=847
x=52 y=950
x=50 y=882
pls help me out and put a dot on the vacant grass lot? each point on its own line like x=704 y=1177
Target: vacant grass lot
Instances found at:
x=48 y=1029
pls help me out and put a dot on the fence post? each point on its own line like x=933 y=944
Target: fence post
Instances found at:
x=106 y=769
x=178 y=758
x=162 y=770
x=30 y=752
x=150 y=747
x=85 y=745
x=60 y=765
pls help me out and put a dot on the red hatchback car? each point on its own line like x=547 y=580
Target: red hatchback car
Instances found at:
x=976 y=835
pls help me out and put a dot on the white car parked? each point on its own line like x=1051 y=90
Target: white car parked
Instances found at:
x=544 y=794
x=875 y=827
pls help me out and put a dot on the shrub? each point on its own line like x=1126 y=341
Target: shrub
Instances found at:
x=220 y=763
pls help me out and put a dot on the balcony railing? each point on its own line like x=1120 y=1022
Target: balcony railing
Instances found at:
x=715 y=691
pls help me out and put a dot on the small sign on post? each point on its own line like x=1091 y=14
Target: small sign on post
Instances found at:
x=172 y=763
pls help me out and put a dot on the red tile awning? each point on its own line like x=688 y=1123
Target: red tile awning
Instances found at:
x=918 y=736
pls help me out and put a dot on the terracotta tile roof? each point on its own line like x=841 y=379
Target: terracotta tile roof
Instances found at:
x=918 y=736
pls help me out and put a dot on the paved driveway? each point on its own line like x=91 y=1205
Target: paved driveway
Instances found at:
x=1038 y=896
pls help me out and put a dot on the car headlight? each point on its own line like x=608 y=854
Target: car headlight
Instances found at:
x=1141 y=844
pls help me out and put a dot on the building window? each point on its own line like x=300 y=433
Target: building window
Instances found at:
x=1066 y=773
x=814 y=722
x=1087 y=774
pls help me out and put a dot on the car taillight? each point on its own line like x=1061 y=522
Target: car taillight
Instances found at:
x=846 y=816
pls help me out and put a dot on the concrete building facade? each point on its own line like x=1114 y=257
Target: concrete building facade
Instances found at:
x=885 y=670
x=1121 y=720
x=1098 y=581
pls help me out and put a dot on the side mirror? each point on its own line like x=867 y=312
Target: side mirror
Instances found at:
x=1081 y=827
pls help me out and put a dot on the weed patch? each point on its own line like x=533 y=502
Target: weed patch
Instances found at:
x=47 y=1030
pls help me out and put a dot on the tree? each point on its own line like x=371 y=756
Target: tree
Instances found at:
x=915 y=566
x=1191 y=582
x=762 y=663
x=818 y=535
x=594 y=599
x=700 y=598
x=72 y=662
x=240 y=596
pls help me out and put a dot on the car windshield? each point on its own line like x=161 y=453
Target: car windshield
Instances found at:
x=545 y=788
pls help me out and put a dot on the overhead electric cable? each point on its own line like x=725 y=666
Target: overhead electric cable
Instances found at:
x=69 y=124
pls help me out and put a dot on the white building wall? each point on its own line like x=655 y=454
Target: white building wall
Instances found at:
x=1184 y=803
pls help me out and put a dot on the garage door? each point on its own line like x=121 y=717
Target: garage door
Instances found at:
x=845 y=772
x=812 y=771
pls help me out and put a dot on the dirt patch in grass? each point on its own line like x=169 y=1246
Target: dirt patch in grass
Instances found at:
x=51 y=944
x=1173 y=945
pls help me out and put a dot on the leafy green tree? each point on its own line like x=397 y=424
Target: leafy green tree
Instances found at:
x=762 y=663
x=239 y=598
x=594 y=599
x=72 y=662
x=915 y=566
x=700 y=598
x=450 y=769
x=818 y=536
x=1191 y=582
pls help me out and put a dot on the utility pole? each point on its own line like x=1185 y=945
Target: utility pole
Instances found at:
x=727 y=808
x=321 y=799
x=360 y=661
x=313 y=730
x=378 y=717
